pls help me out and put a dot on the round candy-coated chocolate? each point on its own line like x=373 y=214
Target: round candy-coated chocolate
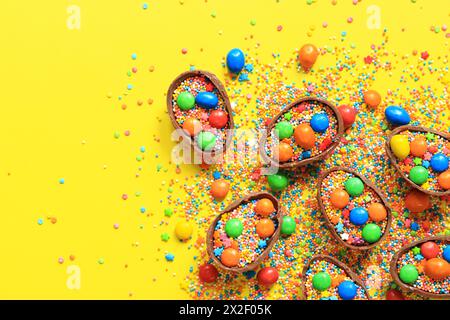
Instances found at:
x=220 y=188
x=347 y=290
x=409 y=274
x=206 y=100
x=417 y=201
x=206 y=140
x=372 y=98
x=208 y=273
x=444 y=180
x=446 y=253
x=397 y=115
x=429 y=250
x=418 y=146
x=267 y=276
x=320 y=122
x=234 y=228
x=371 y=233
x=235 y=60
x=418 y=175
x=321 y=281
x=377 y=212
x=348 y=114
x=437 y=268
x=264 y=207
x=354 y=186
x=439 y=162
x=230 y=257
x=185 y=100
x=393 y=294
x=304 y=136
x=359 y=216
x=288 y=225
x=192 y=126
x=339 y=198
x=400 y=146
x=218 y=119
x=308 y=55
x=183 y=230
x=277 y=182
x=265 y=228
x=284 y=129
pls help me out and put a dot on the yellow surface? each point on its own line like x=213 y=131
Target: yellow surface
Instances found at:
x=57 y=122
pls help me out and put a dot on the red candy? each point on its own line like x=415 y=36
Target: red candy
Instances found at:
x=429 y=250
x=267 y=276
x=218 y=119
x=208 y=273
x=393 y=294
x=348 y=114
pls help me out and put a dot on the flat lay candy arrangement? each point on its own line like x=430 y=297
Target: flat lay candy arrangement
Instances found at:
x=329 y=106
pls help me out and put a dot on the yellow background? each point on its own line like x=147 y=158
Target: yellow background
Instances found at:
x=57 y=122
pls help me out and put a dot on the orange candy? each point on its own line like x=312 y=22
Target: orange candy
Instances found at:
x=307 y=56
x=372 y=98
x=416 y=201
x=304 y=136
x=230 y=257
x=339 y=198
x=285 y=152
x=265 y=228
x=377 y=212
x=192 y=126
x=444 y=180
x=220 y=188
x=418 y=146
x=437 y=268
x=264 y=207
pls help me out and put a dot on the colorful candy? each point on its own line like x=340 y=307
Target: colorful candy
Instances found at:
x=418 y=146
x=418 y=175
x=347 y=290
x=359 y=216
x=429 y=249
x=397 y=115
x=218 y=119
x=444 y=180
x=235 y=60
x=234 y=228
x=304 y=136
x=265 y=228
x=354 y=186
x=288 y=226
x=183 y=230
x=372 y=98
x=307 y=56
x=339 y=198
x=277 y=182
x=439 y=162
x=267 y=276
x=284 y=130
x=186 y=100
x=264 y=207
x=409 y=274
x=400 y=146
x=220 y=188
x=320 y=122
x=348 y=114
x=208 y=273
x=284 y=152
x=417 y=201
x=371 y=233
x=321 y=281
x=230 y=257
x=192 y=126
x=207 y=100
x=377 y=212
x=437 y=268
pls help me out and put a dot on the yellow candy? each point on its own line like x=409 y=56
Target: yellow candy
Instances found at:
x=183 y=230
x=400 y=146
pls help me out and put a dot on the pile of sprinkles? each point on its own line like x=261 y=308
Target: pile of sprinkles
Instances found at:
x=353 y=208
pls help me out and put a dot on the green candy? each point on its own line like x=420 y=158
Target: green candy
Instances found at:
x=354 y=186
x=206 y=140
x=288 y=225
x=418 y=175
x=321 y=281
x=277 y=182
x=409 y=274
x=185 y=100
x=284 y=130
x=234 y=228
x=371 y=233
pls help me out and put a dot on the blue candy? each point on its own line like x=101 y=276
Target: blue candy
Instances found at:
x=320 y=122
x=359 y=216
x=439 y=162
x=207 y=100
x=397 y=115
x=446 y=253
x=235 y=60
x=347 y=290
